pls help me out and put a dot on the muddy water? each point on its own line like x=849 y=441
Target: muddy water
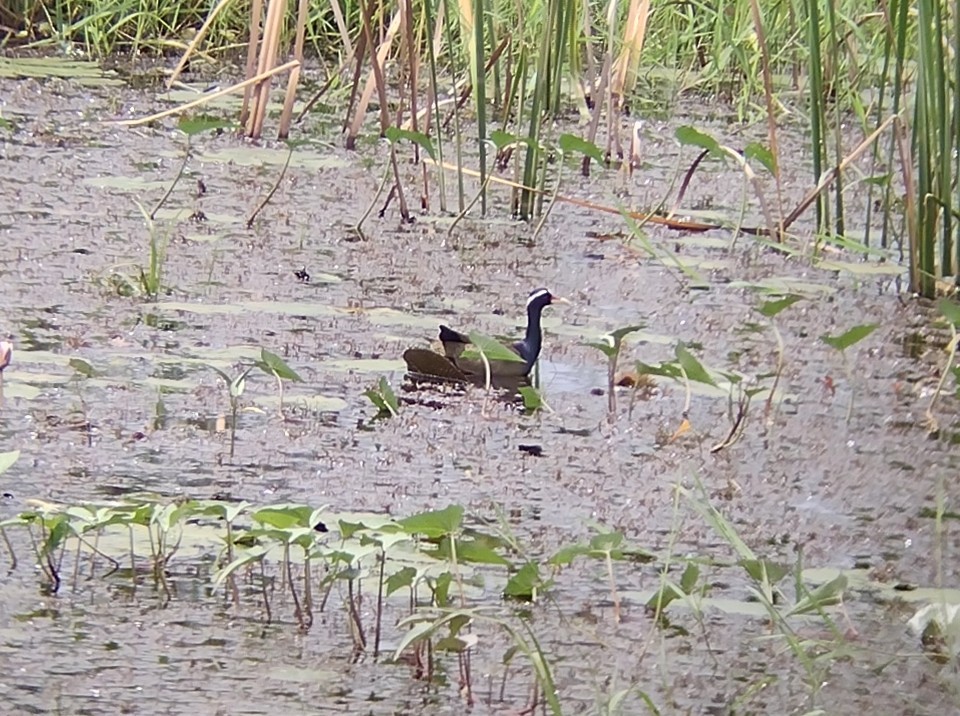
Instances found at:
x=802 y=479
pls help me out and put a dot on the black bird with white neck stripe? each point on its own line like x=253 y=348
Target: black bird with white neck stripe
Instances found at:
x=454 y=344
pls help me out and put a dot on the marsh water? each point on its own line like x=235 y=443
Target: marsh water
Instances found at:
x=802 y=484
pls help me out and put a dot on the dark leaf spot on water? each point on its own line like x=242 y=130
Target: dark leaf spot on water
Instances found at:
x=931 y=513
x=580 y=433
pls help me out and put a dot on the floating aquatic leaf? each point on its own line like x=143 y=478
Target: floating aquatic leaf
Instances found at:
x=532 y=400
x=283 y=516
x=772 y=308
x=664 y=370
x=7 y=459
x=610 y=344
x=203 y=123
x=383 y=398
x=944 y=616
x=227 y=510
x=694 y=137
x=862 y=268
x=689 y=578
x=765 y=571
x=398 y=580
x=349 y=529
x=565 y=555
x=526 y=583
x=782 y=285
x=757 y=151
x=607 y=543
x=418 y=632
x=493 y=349
x=58 y=529
x=395 y=134
x=456 y=644
x=435 y=523
x=272 y=364
x=253 y=554
x=823 y=596
x=570 y=143
x=849 y=338
x=692 y=367
x=876 y=179
x=661 y=599
x=950 y=310
x=82 y=367
x=472 y=551
x=503 y=139
x=239 y=384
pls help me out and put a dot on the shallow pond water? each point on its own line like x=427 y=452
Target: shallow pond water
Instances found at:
x=852 y=496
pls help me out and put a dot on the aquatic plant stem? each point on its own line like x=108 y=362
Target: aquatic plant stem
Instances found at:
x=466 y=209
x=13 y=555
x=173 y=184
x=553 y=198
x=382 y=558
x=404 y=212
x=273 y=189
x=613 y=588
x=932 y=424
x=848 y=369
x=263 y=591
x=781 y=350
x=358 y=228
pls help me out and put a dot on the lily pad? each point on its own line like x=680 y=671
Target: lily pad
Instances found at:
x=247 y=156
x=860 y=268
x=80 y=71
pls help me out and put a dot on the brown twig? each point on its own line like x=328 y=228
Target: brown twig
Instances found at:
x=205 y=98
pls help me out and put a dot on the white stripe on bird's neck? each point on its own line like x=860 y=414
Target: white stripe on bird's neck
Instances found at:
x=537 y=295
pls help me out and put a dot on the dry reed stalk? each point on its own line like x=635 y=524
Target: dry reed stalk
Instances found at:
x=771 y=108
x=294 y=77
x=467 y=25
x=256 y=10
x=432 y=90
x=591 y=79
x=326 y=85
x=269 y=49
x=623 y=72
x=205 y=98
x=342 y=27
x=600 y=96
x=378 y=59
x=613 y=109
x=634 y=32
x=195 y=42
x=413 y=59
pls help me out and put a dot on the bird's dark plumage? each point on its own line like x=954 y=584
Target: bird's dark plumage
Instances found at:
x=455 y=343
